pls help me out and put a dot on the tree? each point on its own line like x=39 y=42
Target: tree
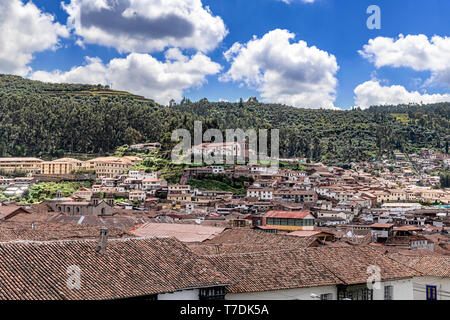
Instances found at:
x=132 y=136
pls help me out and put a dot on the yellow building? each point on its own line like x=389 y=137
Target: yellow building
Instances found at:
x=28 y=165
x=111 y=167
x=397 y=195
x=62 y=166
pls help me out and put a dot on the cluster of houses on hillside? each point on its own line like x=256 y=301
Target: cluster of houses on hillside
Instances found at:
x=299 y=231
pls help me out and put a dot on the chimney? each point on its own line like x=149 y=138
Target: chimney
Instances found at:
x=101 y=248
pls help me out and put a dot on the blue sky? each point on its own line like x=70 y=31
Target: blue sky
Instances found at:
x=335 y=27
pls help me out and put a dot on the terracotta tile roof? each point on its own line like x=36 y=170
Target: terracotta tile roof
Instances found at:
x=125 y=221
x=287 y=214
x=408 y=228
x=305 y=233
x=6 y=211
x=429 y=265
x=382 y=225
x=48 y=231
x=310 y=267
x=128 y=268
x=350 y=263
x=267 y=271
x=183 y=232
x=251 y=236
x=243 y=240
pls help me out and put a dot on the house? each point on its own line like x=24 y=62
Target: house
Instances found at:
x=410 y=242
x=149 y=184
x=180 y=188
x=325 y=273
x=433 y=283
x=27 y=165
x=296 y=196
x=111 y=167
x=225 y=149
x=137 y=195
x=381 y=231
x=183 y=232
x=142 y=175
x=162 y=269
x=260 y=193
x=62 y=166
x=289 y=220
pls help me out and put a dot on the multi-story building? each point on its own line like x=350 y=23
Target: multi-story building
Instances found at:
x=28 y=165
x=153 y=184
x=62 y=166
x=260 y=193
x=111 y=167
x=289 y=220
x=137 y=195
x=296 y=196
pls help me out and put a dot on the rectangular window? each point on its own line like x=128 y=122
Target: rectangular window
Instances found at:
x=326 y=296
x=388 y=293
x=431 y=293
x=216 y=293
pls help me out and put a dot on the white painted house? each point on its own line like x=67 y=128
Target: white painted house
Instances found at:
x=433 y=283
x=326 y=273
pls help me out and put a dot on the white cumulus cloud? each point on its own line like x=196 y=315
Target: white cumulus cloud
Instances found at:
x=24 y=30
x=372 y=93
x=146 y=25
x=413 y=51
x=283 y=71
x=141 y=74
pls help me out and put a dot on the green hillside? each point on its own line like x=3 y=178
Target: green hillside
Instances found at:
x=50 y=120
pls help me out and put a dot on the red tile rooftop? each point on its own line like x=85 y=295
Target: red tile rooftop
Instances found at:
x=183 y=232
x=382 y=225
x=287 y=214
x=127 y=268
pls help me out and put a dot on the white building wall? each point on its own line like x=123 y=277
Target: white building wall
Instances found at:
x=290 y=294
x=442 y=286
x=181 y=295
x=402 y=289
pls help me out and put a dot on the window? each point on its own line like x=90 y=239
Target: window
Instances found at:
x=216 y=293
x=356 y=293
x=388 y=293
x=431 y=293
x=326 y=296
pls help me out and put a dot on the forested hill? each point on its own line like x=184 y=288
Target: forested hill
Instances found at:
x=39 y=119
